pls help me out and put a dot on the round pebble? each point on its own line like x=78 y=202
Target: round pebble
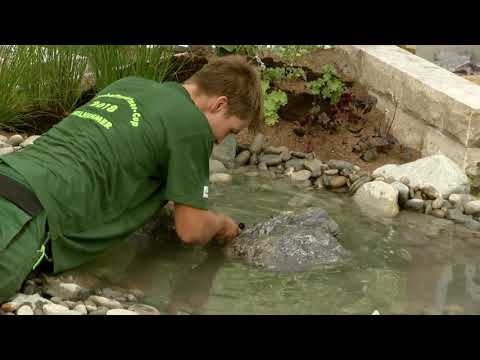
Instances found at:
x=25 y=310
x=15 y=140
x=220 y=178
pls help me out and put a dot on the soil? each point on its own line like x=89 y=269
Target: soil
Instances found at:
x=325 y=144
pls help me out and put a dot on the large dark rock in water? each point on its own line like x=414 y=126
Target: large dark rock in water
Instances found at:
x=291 y=242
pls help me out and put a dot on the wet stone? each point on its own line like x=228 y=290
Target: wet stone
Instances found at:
x=301 y=175
x=438 y=213
x=242 y=158
x=415 y=205
x=285 y=156
x=15 y=140
x=257 y=144
x=275 y=150
x=299 y=155
x=253 y=159
x=331 y=172
x=271 y=160
x=25 y=310
x=437 y=203
x=296 y=164
x=263 y=166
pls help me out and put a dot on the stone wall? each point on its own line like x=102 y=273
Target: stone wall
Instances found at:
x=438 y=111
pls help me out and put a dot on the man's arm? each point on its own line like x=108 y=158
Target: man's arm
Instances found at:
x=197 y=226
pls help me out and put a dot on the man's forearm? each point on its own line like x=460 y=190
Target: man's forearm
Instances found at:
x=196 y=226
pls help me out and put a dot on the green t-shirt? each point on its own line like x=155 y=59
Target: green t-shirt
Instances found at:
x=108 y=167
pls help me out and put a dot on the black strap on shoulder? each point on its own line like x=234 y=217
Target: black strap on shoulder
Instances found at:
x=20 y=196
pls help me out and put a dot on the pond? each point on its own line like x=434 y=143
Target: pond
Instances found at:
x=412 y=264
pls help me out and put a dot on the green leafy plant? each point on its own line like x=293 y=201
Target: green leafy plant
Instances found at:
x=272 y=102
x=273 y=74
x=330 y=87
x=280 y=73
x=295 y=73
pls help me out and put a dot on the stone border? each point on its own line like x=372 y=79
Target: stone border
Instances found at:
x=438 y=111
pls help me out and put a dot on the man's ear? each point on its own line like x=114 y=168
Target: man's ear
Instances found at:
x=220 y=103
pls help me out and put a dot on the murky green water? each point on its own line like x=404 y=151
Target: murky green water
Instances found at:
x=412 y=264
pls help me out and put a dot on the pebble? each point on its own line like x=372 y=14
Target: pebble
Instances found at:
x=457 y=216
x=55 y=309
x=301 y=175
x=369 y=155
x=25 y=310
x=70 y=304
x=38 y=311
x=81 y=308
x=21 y=299
x=339 y=164
x=253 y=159
x=220 y=178
x=120 y=312
x=271 y=160
x=4 y=144
x=411 y=193
x=285 y=156
x=216 y=166
x=439 y=213
x=262 y=166
x=15 y=140
x=430 y=192
x=404 y=180
x=402 y=192
x=337 y=181
x=257 y=144
x=472 y=207
x=437 y=203
x=415 y=205
x=100 y=311
x=331 y=172
x=133 y=298
x=6 y=150
x=65 y=291
x=90 y=306
x=143 y=309
x=29 y=141
x=103 y=301
x=296 y=164
x=242 y=158
x=315 y=166
x=3 y=138
x=299 y=154
x=460 y=199
x=109 y=293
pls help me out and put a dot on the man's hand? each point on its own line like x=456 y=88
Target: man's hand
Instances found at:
x=197 y=226
x=229 y=231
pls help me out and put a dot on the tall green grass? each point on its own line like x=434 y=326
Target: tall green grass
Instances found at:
x=112 y=62
x=39 y=85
